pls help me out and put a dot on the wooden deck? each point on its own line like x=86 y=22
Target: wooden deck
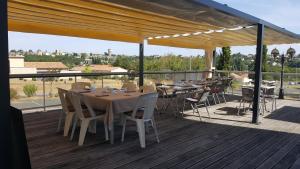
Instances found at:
x=225 y=141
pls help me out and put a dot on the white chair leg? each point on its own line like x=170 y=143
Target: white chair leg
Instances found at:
x=73 y=128
x=68 y=122
x=218 y=98
x=244 y=107
x=207 y=109
x=106 y=128
x=141 y=130
x=198 y=112
x=155 y=129
x=83 y=128
x=275 y=104
x=123 y=130
x=207 y=102
x=213 y=95
x=61 y=116
x=223 y=94
x=239 y=109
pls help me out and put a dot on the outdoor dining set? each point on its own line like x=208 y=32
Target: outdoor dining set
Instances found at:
x=84 y=105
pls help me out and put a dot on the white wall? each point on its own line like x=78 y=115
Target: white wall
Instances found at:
x=16 y=62
x=22 y=70
x=119 y=70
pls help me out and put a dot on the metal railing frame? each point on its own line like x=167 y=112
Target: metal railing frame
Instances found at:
x=102 y=75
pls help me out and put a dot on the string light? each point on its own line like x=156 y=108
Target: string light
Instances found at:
x=210 y=31
x=186 y=34
x=235 y=29
x=221 y=30
x=199 y=33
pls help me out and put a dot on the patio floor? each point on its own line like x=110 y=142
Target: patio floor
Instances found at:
x=224 y=141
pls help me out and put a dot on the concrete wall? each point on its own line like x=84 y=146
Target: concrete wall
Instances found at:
x=22 y=70
x=16 y=62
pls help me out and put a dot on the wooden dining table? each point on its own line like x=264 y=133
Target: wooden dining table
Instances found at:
x=114 y=102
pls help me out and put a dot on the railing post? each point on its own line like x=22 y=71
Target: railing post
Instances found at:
x=185 y=75
x=141 y=65
x=102 y=81
x=75 y=79
x=258 y=68
x=44 y=95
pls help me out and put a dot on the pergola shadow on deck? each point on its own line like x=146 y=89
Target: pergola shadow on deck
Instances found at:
x=185 y=142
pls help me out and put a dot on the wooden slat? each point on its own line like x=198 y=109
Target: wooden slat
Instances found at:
x=223 y=141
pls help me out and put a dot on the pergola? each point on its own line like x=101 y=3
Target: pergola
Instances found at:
x=196 y=24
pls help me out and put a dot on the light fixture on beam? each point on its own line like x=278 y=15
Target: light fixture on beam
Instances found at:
x=248 y=27
x=210 y=31
x=220 y=30
x=166 y=36
x=197 y=33
x=186 y=34
x=235 y=29
x=176 y=35
x=150 y=38
x=157 y=37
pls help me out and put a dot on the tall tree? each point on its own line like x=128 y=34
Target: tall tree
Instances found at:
x=223 y=62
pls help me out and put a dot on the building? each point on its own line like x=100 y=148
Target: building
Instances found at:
x=46 y=67
x=19 y=66
x=101 y=69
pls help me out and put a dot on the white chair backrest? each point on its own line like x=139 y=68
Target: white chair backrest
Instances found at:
x=76 y=101
x=147 y=102
x=64 y=99
x=204 y=96
x=130 y=86
x=80 y=85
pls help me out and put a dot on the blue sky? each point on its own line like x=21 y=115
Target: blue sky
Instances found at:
x=284 y=13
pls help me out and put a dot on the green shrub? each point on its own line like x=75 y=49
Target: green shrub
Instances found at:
x=13 y=93
x=30 y=90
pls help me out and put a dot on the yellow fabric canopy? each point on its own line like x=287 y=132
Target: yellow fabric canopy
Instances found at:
x=165 y=22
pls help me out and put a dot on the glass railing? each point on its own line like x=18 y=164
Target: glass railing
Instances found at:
x=39 y=91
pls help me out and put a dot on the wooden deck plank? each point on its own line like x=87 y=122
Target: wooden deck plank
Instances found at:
x=226 y=140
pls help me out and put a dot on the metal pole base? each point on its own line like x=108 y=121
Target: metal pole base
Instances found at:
x=281 y=93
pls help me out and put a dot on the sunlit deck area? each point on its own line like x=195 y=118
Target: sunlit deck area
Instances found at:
x=224 y=141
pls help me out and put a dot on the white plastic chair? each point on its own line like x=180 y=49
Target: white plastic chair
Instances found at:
x=68 y=111
x=86 y=116
x=80 y=85
x=142 y=113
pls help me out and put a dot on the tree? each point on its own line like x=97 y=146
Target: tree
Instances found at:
x=87 y=69
x=224 y=58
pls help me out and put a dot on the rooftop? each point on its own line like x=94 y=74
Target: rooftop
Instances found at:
x=46 y=65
